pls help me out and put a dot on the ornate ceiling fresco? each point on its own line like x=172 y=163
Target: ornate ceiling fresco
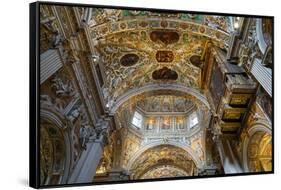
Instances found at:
x=164 y=171
x=134 y=145
x=143 y=47
x=101 y=16
x=165 y=103
x=168 y=103
x=162 y=156
x=260 y=152
x=151 y=62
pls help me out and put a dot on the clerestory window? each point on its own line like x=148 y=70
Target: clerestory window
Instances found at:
x=137 y=120
x=193 y=120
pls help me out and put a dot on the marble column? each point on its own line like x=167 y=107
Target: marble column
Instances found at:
x=228 y=160
x=85 y=169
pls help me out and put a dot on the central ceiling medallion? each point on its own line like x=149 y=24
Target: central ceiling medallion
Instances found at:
x=167 y=37
x=164 y=56
x=195 y=60
x=165 y=74
x=129 y=59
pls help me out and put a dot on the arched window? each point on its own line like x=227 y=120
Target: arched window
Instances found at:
x=193 y=120
x=137 y=120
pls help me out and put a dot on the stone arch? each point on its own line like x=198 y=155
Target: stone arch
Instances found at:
x=256 y=128
x=171 y=171
x=57 y=124
x=159 y=154
x=223 y=35
x=153 y=87
x=190 y=151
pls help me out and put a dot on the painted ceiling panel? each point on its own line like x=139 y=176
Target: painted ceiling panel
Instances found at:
x=138 y=48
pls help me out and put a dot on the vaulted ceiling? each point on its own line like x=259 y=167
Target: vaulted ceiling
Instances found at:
x=165 y=103
x=162 y=156
x=138 y=48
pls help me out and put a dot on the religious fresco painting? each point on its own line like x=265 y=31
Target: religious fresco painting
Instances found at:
x=164 y=74
x=129 y=94
x=166 y=37
x=129 y=59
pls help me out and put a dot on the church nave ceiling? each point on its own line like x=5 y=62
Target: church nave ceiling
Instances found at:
x=162 y=156
x=138 y=63
x=164 y=171
x=137 y=49
x=166 y=120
